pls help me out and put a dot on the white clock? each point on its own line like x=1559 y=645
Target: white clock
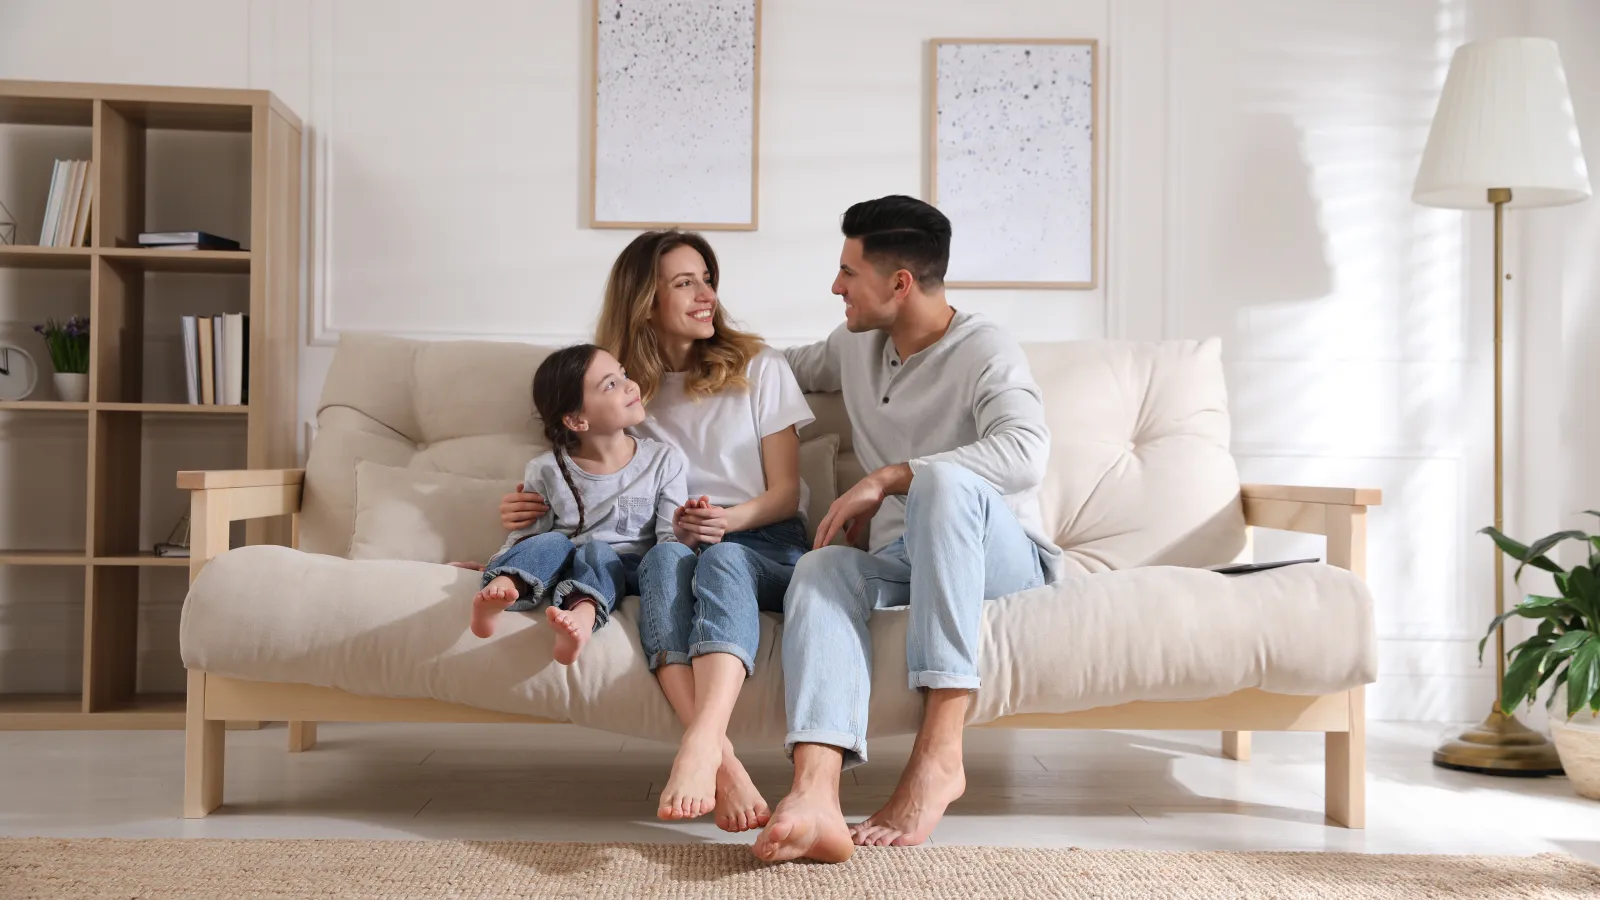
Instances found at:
x=18 y=374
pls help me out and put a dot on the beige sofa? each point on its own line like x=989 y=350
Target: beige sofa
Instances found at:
x=416 y=441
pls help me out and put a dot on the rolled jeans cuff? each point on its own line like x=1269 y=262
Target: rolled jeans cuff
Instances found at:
x=853 y=748
x=733 y=650
x=525 y=601
x=668 y=658
x=602 y=614
x=941 y=681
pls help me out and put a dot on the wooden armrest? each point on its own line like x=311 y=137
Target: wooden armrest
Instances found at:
x=1339 y=514
x=1296 y=493
x=218 y=499
x=238 y=478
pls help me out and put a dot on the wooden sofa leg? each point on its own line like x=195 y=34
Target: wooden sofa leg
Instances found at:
x=302 y=736
x=1345 y=797
x=1236 y=745
x=203 y=753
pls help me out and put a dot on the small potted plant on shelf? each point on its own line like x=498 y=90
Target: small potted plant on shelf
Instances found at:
x=1565 y=651
x=68 y=343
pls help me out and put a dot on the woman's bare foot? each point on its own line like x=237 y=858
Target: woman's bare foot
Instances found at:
x=806 y=825
x=931 y=782
x=490 y=602
x=691 y=789
x=740 y=807
x=573 y=627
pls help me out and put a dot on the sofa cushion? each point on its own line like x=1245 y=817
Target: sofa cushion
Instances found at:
x=818 y=463
x=425 y=516
x=399 y=629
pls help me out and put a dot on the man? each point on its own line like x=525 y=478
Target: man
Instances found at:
x=950 y=424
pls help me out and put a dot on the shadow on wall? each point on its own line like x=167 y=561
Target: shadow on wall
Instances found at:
x=1274 y=221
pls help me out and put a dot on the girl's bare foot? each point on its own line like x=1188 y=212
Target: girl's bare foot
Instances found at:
x=691 y=789
x=490 y=602
x=740 y=807
x=573 y=627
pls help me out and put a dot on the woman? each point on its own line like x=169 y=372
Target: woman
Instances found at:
x=733 y=407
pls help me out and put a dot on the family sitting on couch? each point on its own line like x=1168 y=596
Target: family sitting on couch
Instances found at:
x=674 y=474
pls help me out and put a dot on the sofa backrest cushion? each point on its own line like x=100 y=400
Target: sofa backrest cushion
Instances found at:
x=1140 y=472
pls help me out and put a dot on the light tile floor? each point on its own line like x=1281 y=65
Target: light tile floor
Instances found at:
x=1139 y=790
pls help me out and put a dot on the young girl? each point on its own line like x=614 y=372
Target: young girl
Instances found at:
x=611 y=498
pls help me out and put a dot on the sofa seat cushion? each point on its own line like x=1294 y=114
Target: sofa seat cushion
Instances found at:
x=399 y=629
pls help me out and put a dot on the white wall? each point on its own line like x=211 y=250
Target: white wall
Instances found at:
x=1259 y=162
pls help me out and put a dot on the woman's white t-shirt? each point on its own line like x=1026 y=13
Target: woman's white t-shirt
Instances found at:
x=721 y=434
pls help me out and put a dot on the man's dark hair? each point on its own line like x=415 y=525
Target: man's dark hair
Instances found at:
x=903 y=233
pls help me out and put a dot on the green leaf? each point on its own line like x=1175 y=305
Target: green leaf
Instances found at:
x=1555 y=687
x=1520 y=679
x=1564 y=647
x=1583 y=679
x=1536 y=550
x=1518 y=551
x=1583 y=587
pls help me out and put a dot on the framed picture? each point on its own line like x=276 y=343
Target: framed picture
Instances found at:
x=676 y=117
x=1014 y=160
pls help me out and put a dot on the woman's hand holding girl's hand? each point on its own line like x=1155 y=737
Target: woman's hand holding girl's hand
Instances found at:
x=702 y=521
x=519 y=510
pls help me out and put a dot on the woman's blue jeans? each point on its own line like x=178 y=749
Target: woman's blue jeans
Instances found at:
x=711 y=602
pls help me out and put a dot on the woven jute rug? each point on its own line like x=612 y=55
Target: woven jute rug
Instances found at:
x=338 y=869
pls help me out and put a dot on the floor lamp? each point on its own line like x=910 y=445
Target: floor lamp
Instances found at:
x=1504 y=135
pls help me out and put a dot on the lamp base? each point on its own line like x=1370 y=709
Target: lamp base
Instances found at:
x=1500 y=745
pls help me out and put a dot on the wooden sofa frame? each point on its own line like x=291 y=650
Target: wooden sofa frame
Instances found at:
x=220 y=498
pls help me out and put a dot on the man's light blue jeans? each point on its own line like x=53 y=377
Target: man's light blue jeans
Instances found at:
x=962 y=546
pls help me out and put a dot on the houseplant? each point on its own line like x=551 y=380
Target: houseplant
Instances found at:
x=68 y=343
x=1565 y=651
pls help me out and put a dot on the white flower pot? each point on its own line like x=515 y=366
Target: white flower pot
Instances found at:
x=1578 y=744
x=73 y=387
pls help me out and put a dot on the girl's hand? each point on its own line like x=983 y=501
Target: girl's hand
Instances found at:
x=705 y=522
x=519 y=509
x=684 y=536
x=473 y=566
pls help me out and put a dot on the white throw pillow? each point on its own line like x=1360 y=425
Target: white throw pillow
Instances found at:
x=819 y=470
x=433 y=517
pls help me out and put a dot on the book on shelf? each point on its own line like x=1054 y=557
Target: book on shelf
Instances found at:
x=233 y=359
x=185 y=240
x=191 y=358
x=216 y=355
x=208 y=394
x=69 y=204
x=218 y=367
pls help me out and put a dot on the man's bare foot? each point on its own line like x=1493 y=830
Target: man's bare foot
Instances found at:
x=490 y=602
x=806 y=826
x=931 y=782
x=740 y=807
x=573 y=628
x=691 y=789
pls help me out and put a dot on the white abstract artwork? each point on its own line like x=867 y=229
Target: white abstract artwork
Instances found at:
x=1014 y=161
x=675 y=112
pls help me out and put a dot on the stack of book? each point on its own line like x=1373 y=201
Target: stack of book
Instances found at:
x=216 y=350
x=185 y=240
x=66 y=211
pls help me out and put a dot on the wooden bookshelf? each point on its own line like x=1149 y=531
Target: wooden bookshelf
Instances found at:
x=119 y=118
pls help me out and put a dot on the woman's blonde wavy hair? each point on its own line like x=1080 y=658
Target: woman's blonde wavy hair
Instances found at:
x=715 y=364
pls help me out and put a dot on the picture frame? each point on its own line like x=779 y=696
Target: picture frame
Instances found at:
x=646 y=174
x=1017 y=174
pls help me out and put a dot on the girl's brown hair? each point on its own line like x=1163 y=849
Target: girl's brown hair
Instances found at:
x=558 y=393
x=715 y=364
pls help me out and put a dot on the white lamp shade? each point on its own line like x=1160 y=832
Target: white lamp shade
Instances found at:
x=1505 y=120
